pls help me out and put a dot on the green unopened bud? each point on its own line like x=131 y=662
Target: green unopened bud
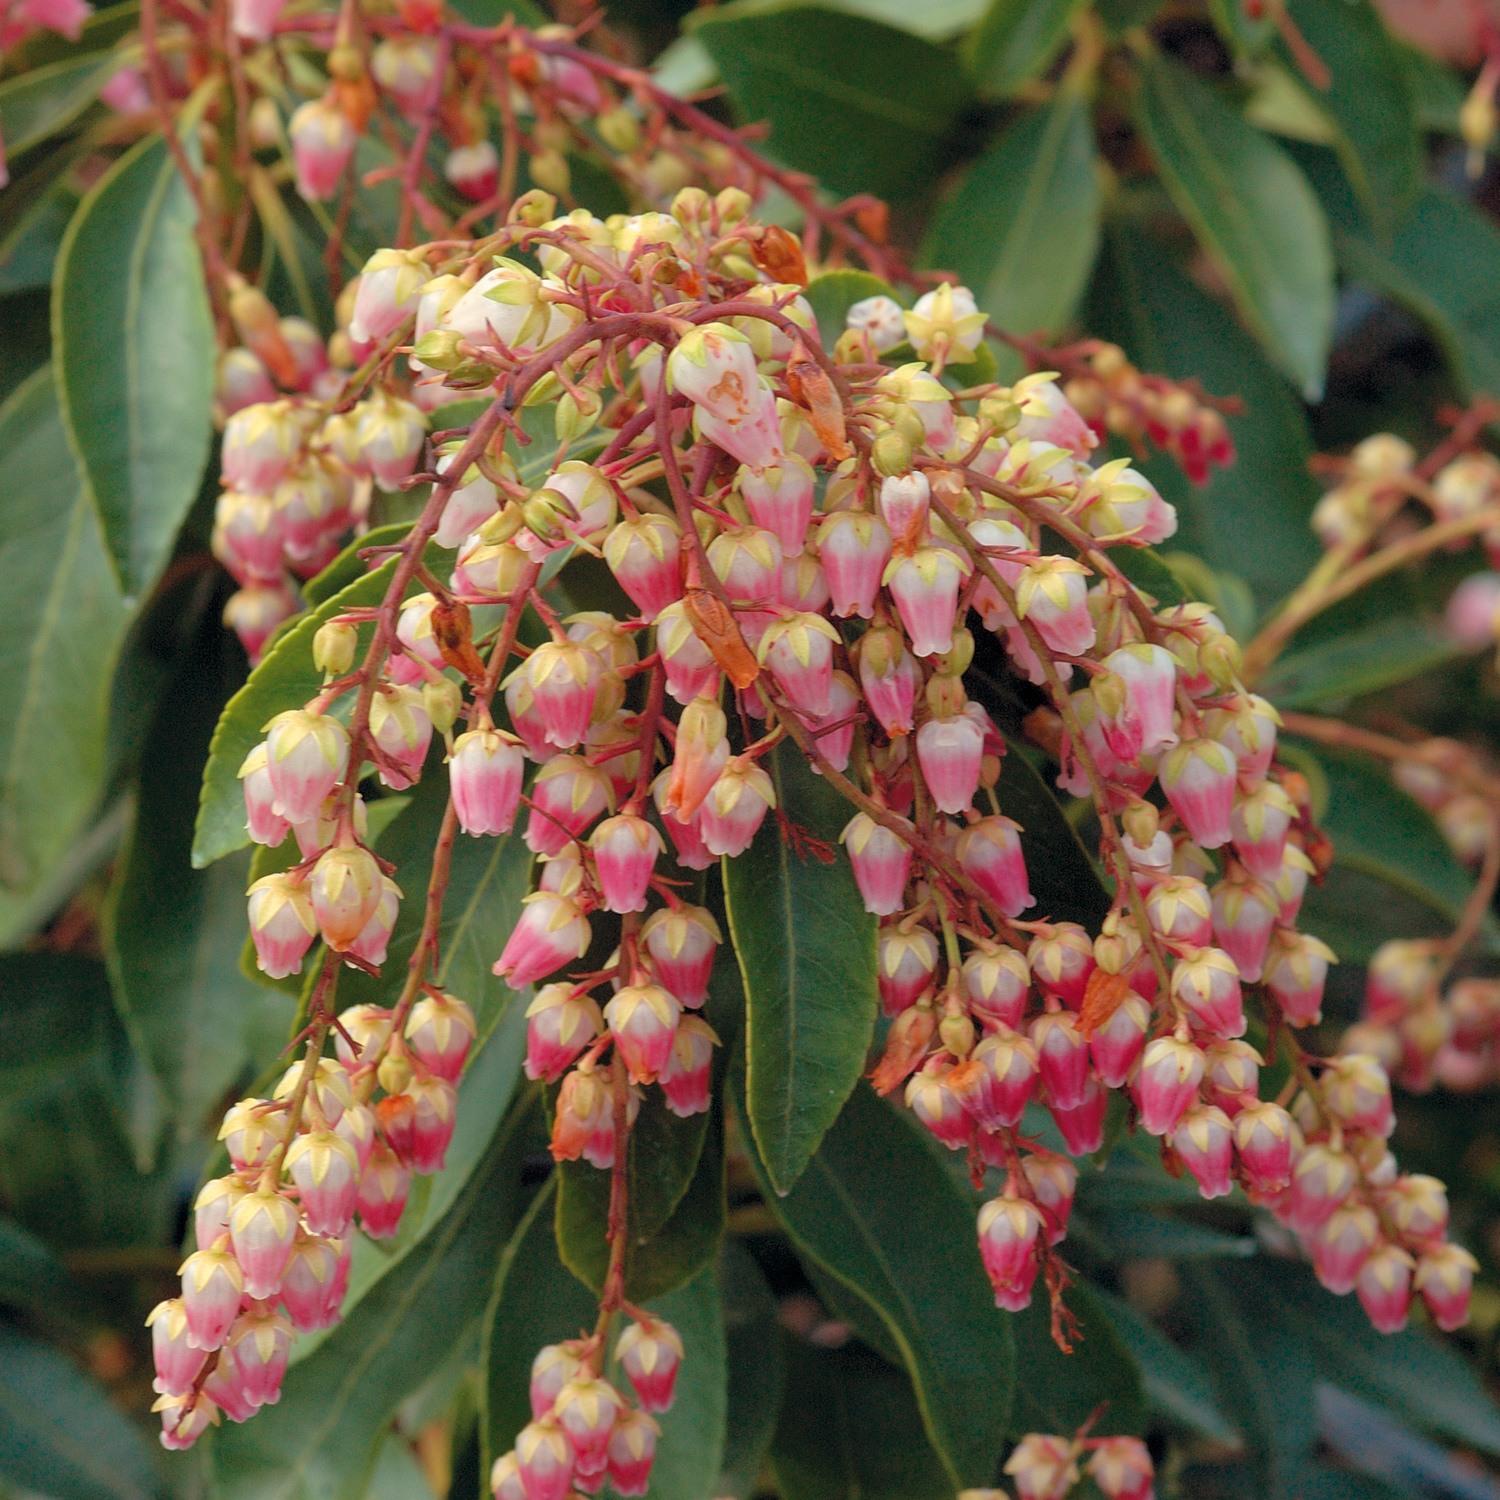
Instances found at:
x=333 y=647
x=394 y=1073
x=881 y=647
x=543 y=390
x=1219 y=657
x=945 y=696
x=1110 y=693
x=708 y=528
x=891 y=453
x=909 y=424
x=439 y=349
x=690 y=207
x=346 y=64
x=442 y=699
x=852 y=348
x=956 y=661
x=619 y=129
x=576 y=414
x=549 y=170
x=551 y=135
x=956 y=1033
x=1140 y=820
x=545 y=511
x=264 y=124
x=999 y=412
x=733 y=204
x=533 y=209
x=500 y=528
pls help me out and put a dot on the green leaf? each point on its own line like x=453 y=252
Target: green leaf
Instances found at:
x=878 y=1211
x=173 y=934
x=1175 y=1383
x=286 y=678
x=752 y=1340
x=832 y=294
x=1369 y=100
x=1015 y=41
x=1056 y=1392
x=1437 y=92
x=1129 y=1234
x=61 y=1435
x=806 y=948
x=320 y=1439
x=349 y=567
x=1250 y=208
x=28 y=251
x=1061 y=875
x=1021 y=229
x=859 y=105
x=1251 y=519
x=1148 y=569
x=1391 y=650
x=38 y=104
x=134 y=345
x=64 y=621
x=56 y=1011
x=31 y=1276
x=849 y=1430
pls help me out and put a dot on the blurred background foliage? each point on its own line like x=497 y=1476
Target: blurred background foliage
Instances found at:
x=1276 y=203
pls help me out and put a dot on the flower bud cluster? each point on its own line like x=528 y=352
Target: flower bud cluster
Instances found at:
x=583 y=1430
x=275 y=1234
x=1044 y=1466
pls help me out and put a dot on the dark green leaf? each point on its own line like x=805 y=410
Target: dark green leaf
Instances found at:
x=29 y=249
x=806 y=948
x=1369 y=101
x=1437 y=92
x=1130 y=1235
x=878 y=1211
x=1250 y=208
x=286 y=678
x=319 y=1440
x=349 y=567
x=1176 y=1385
x=35 y=105
x=65 y=619
x=1061 y=875
x=173 y=934
x=1378 y=656
x=850 y=1430
x=59 y=1433
x=1056 y=1392
x=31 y=1276
x=1148 y=569
x=753 y=1344
x=1252 y=518
x=1016 y=40
x=1022 y=227
x=108 y=25
x=56 y=1008
x=859 y=105
x=134 y=345
x=832 y=294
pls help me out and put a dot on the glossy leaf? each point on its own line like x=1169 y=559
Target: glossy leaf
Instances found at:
x=286 y=678
x=1369 y=100
x=1251 y=209
x=756 y=1374
x=134 y=346
x=1129 y=1234
x=1390 y=650
x=859 y=105
x=806 y=948
x=1059 y=871
x=29 y=248
x=335 y=1404
x=1021 y=229
x=38 y=104
x=173 y=934
x=832 y=294
x=1016 y=40
x=849 y=1430
x=1252 y=518
x=61 y=1435
x=64 y=619
x=878 y=1212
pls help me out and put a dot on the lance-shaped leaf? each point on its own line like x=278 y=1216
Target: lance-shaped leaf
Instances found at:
x=752 y=1340
x=880 y=1214
x=134 y=345
x=1251 y=209
x=40 y=102
x=1016 y=40
x=806 y=948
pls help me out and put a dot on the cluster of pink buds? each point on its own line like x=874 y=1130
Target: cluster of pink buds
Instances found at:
x=582 y=1429
x=21 y=18
x=274 y=1235
x=1047 y=1467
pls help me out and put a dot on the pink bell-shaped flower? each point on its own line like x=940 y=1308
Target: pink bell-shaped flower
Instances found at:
x=686 y=1078
x=184 y=1419
x=1341 y=1246
x=564 y=678
x=780 y=500
x=551 y=932
x=544 y=1459
x=1383 y=1287
x=1259 y=825
x=1052 y=593
x=554 y=1366
x=262 y=1229
x=1043 y=1466
x=642 y=1019
x=1062 y=958
x=1323 y=1176
x=625 y=850
x=632 y=1451
x=484 y=776
x=402 y=727
x=567 y=795
x=798 y=650
x=261 y=443
x=375 y=936
x=881 y=861
x=1115 y=1046
x=1136 y=714
x=650 y=1352
x=1248 y=733
x=264 y=824
x=1198 y=778
x=682 y=943
x=904 y=965
x=439 y=1032
x=559 y=1025
x=345 y=890
x=1008 y=1230
x=854 y=548
x=1178 y=909
x=306 y=757
x=1062 y=1057
x=1357 y=1092
x=698 y=758
x=586 y=1409
x=383 y=1188
x=434 y=1115
x=505 y=1474
x=735 y=807
x=1122 y=1468
x=176 y=1361
x=834 y=732
x=925 y=586
x=1082 y=1128
x=323 y=143
x=1204 y=1140
x=949 y=751
x=903 y=504
x=1445 y=1277
x=714 y=367
x=692 y=672
x=1207 y=984
x=324 y=1168
x=1296 y=968
x=260 y=1341
x=990 y=853
x=356 y=1127
x=889 y=678
x=1167 y=1084
x=308 y=1281
x=1244 y=912
x=1052 y=1179
x=644 y=553
x=212 y=1285
x=687 y=838
x=1263 y=1143
x=998 y=982
x=251 y=1130
x=998 y=1080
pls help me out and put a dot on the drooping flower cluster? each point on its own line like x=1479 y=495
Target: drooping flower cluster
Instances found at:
x=1044 y=1466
